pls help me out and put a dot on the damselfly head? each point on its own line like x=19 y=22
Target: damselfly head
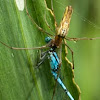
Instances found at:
x=47 y=39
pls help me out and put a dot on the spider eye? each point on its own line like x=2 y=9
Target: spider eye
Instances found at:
x=63 y=31
x=47 y=39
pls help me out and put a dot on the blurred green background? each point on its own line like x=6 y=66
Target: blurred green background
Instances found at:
x=17 y=75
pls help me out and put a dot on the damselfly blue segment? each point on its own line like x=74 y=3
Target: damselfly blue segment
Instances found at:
x=55 y=65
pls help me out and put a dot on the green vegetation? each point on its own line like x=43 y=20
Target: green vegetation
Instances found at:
x=19 y=80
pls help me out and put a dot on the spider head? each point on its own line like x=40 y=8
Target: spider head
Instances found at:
x=47 y=39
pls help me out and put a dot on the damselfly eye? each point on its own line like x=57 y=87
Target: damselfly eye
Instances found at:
x=47 y=39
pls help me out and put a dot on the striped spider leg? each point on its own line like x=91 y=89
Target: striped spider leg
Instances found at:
x=15 y=48
x=42 y=47
x=78 y=39
x=41 y=29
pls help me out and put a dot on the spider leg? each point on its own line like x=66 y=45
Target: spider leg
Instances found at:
x=52 y=12
x=56 y=79
x=54 y=89
x=35 y=22
x=15 y=48
x=71 y=53
x=48 y=23
x=60 y=57
x=77 y=39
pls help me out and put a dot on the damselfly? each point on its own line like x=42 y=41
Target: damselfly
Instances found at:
x=55 y=65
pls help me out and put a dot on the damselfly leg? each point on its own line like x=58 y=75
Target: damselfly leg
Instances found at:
x=43 y=56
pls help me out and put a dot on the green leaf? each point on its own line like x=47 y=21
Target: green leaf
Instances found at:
x=68 y=75
x=19 y=80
